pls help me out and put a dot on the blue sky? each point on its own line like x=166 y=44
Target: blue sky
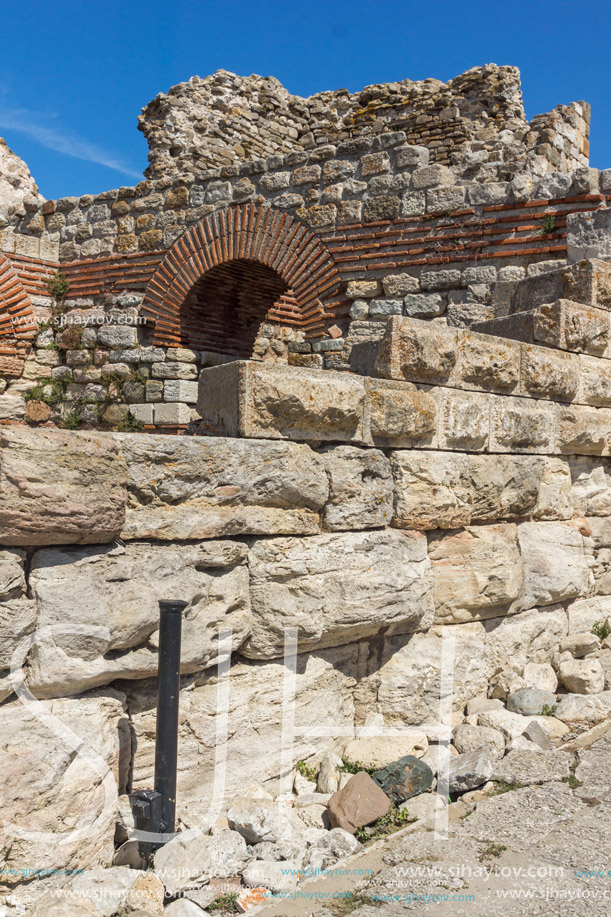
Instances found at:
x=74 y=75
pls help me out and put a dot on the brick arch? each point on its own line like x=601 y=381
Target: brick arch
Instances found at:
x=247 y=232
x=17 y=318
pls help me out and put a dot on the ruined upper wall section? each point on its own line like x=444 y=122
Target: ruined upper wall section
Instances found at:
x=475 y=122
x=18 y=190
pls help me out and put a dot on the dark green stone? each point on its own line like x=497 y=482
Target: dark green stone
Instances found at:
x=404 y=778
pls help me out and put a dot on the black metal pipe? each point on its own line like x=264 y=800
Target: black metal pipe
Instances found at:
x=168 y=689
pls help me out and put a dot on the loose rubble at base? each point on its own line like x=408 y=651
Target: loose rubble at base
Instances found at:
x=339 y=365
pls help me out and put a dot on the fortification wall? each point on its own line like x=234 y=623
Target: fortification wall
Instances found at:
x=374 y=555
x=475 y=122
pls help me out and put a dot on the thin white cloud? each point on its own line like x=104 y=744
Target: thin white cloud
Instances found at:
x=40 y=128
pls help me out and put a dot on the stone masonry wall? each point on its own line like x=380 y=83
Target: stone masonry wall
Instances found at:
x=372 y=554
x=474 y=121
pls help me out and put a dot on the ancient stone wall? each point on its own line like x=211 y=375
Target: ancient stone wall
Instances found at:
x=475 y=120
x=375 y=555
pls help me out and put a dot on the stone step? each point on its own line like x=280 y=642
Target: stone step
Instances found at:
x=587 y=282
x=563 y=324
x=266 y=401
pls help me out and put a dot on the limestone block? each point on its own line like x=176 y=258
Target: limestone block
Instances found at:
x=432 y=489
x=204 y=487
x=548 y=374
x=360 y=488
x=588 y=235
x=119 y=587
x=503 y=486
x=59 y=487
x=177 y=370
x=555 y=492
x=404 y=683
x=17 y=620
x=464 y=420
x=12 y=407
x=12 y=575
x=180 y=390
x=555 y=564
x=399 y=285
x=587 y=282
x=396 y=415
x=467 y=738
x=582 y=676
x=478 y=573
x=324 y=686
x=48 y=787
x=595 y=381
x=583 y=430
x=487 y=364
x=337 y=589
x=521 y=425
x=189 y=862
x=531 y=636
x=572 y=326
x=117 y=336
x=591 y=485
x=171 y=415
x=417 y=351
x=253 y=399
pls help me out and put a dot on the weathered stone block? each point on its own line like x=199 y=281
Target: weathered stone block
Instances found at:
x=399 y=285
x=172 y=414
x=571 y=326
x=58 y=487
x=464 y=420
x=555 y=564
x=404 y=683
x=360 y=488
x=174 y=371
x=583 y=430
x=47 y=787
x=423 y=305
x=432 y=490
x=117 y=336
x=337 y=589
x=119 y=587
x=417 y=351
x=180 y=390
x=487 y=364
x=587 y=282
x=478 y=573
x=184 y=488
x=521 y=425
x=594 y=381
x=250 y=399
x=398 y=416
x=546 y=374
x=588 y=235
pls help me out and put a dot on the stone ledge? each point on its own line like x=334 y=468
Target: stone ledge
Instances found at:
x=254 y=400
x=420 y=352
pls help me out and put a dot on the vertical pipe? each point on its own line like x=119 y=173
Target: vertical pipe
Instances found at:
x=168 y=685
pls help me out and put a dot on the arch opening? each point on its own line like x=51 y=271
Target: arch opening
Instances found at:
x=224 y=309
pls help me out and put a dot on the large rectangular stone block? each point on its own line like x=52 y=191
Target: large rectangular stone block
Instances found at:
x=337 y=589
x=397 y=415
x=522 y=425
x=587 y=282
x=277 y=402
x=563 y=324
x=59 y=487
x=583 y=430
x=478 y=573
x=183 y=487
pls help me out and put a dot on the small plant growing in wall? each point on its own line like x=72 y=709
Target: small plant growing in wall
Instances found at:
x=549 y=224
x=130 y=424
x=58 y=286
x=601 y=630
